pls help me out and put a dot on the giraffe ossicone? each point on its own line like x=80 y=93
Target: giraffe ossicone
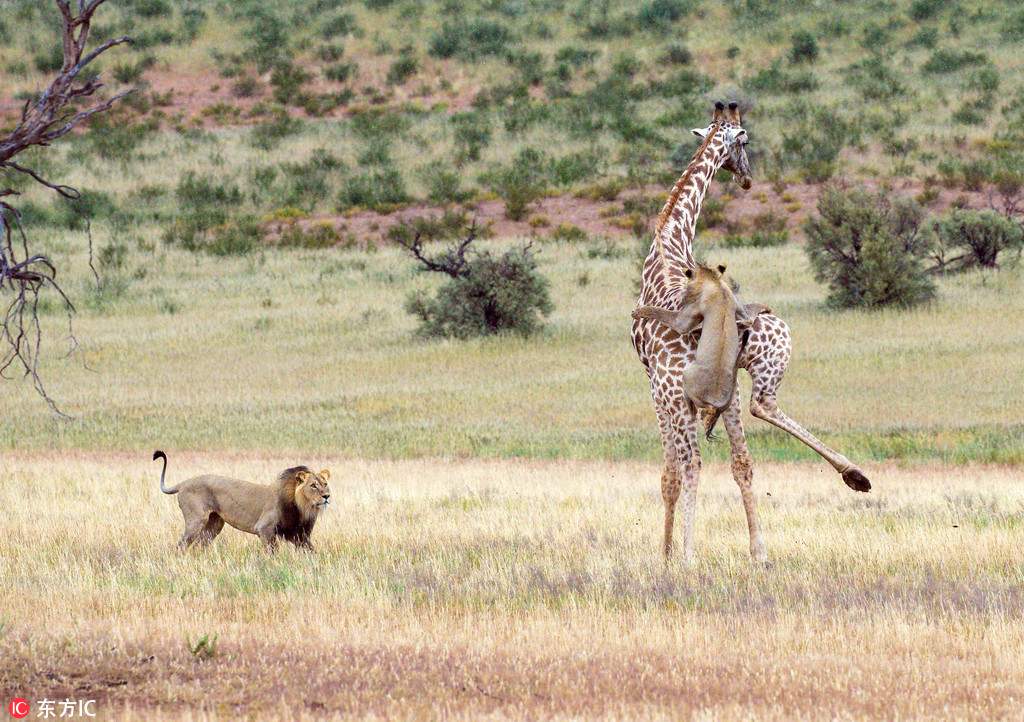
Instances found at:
x=665 y=337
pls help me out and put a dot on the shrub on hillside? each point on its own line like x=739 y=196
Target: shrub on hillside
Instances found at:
x=803 y=47
x=269 y=39
x=869 y=250
x=472 y=133
x=520 y=184
x=926 y=9
x=277 y=125
x=950 y=61
x=470 y=39
x=875 y=80
x=287 y=81
x=402 y=69
x=661 y=15
x=813 y=140
x=776 y=80
x=379 y=190
x=1013 y=27
x=767 y=230
x=972 y=239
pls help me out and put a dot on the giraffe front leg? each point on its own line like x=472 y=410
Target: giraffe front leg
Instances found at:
x=670 y=494
x=691 y=476
x=679 y=440
x=743 y=473
x=689 y=463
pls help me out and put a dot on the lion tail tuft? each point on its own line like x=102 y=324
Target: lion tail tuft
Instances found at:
x=163 y=472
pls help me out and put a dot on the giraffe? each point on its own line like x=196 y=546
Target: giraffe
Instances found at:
x=664 y=352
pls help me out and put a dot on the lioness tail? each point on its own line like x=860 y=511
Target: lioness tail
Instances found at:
x=164 y=489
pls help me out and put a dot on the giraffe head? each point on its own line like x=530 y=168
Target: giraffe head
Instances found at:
x=727 y=130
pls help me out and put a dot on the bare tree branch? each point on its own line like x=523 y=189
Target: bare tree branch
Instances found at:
x=23 y=273
x=452 y=263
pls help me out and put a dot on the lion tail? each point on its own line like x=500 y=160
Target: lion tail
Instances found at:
x=163 y=473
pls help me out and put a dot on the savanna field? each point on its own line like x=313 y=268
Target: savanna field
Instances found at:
x=493 y=544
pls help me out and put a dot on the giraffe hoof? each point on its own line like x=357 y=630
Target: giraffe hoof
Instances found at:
x=856 y=480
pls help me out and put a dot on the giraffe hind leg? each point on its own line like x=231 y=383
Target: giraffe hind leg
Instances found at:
x=767 y=409
x=766 y=358
x=742 y=464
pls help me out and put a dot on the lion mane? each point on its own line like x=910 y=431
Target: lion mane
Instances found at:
x=287 y=508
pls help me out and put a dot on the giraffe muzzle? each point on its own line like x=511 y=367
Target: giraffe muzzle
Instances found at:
x=745 y=182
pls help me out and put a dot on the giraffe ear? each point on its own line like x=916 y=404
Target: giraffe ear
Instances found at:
x=699 y=132
x=721 y=268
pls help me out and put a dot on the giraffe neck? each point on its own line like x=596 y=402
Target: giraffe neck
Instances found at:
x=672 y=249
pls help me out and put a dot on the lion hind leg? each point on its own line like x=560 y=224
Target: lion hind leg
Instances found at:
x=202 y=528
x=212 y=529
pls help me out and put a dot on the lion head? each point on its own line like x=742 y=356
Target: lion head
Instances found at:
x=308 y=489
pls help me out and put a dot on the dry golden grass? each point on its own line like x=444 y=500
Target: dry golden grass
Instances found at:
x=516 y=589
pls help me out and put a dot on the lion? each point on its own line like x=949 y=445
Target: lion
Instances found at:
x=287 y=508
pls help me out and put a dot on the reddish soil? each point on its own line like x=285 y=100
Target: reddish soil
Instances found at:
x=205 y=99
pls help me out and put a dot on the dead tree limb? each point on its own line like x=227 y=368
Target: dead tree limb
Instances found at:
x=65 y=104
x=452 y=262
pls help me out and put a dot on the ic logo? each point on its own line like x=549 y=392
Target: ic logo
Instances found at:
x=19 y=708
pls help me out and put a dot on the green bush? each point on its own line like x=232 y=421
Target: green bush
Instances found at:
x=924 y=38
x=444 y=185
x=269 y=132
x=379 y=190
x=950 y=61
x=472 y=133
x=776 y=80
x=237 y=238
x=676 y=55
x=470 y=39
x=767 y=230
x=576 y=167
x=972 y=239
x=813 y=139
x=344 y=24
x=321 y=235
x=115 y=136
x=287 y=81
x=660 y=15
x=201 y=191
x=487 y=295
x=50 y=60
x=875 y=80
x=926 y=9
x=577 y=57
x=309 y=183
x=76 y=214
x=869 y=250
x=520 y=184
x=401 y=70
x=269 y=40
x=1013 y=27
x=152 y=8
x=341 y=72
x=803 y=47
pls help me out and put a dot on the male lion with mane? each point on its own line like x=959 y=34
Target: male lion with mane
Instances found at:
x=287 y=508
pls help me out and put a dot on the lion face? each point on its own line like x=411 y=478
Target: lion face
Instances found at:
x=313 y=491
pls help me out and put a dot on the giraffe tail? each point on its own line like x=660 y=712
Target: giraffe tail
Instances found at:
x=856 y=480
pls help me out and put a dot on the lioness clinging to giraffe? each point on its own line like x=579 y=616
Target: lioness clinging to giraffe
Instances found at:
x=666 y=351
